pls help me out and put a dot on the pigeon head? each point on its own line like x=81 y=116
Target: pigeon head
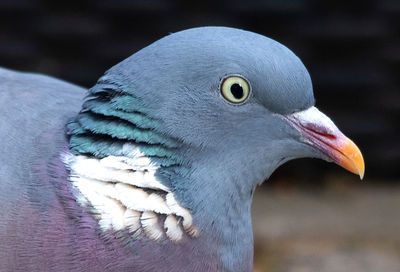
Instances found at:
x=214 y=111
x=185 y=78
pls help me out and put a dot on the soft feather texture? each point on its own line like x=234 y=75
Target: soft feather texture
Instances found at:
x=123 y=192
x=165 y=101
x=42 y=227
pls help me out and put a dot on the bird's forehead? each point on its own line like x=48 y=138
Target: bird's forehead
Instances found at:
x=198 y=59
x=278 y=78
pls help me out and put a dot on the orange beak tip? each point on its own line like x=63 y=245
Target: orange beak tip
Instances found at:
x=349 y=157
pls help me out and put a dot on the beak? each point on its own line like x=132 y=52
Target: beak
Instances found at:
x=321 y=133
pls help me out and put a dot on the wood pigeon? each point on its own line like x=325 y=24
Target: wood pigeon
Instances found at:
x=154 y=168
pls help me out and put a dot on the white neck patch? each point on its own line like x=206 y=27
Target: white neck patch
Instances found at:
x=125 y=194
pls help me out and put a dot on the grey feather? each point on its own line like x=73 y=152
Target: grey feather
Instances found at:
x=166 y=99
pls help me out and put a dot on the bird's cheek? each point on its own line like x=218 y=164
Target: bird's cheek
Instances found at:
x=320 y=132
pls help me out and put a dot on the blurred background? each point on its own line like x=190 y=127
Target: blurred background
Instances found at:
x=310 y=215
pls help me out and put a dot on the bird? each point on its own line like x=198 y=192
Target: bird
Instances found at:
x=154 y=168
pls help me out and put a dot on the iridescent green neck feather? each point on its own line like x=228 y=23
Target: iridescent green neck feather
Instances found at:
x=112 y=121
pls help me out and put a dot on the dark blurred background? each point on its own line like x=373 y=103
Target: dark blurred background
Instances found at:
x=311 y=215
x=351 y=49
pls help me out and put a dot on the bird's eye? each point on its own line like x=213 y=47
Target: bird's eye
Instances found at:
x=235 y=89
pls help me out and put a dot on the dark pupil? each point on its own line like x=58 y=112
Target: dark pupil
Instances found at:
x=237 y=91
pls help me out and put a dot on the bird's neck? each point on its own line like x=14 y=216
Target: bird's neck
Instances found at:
x=230 y=229
x=117 y=151
x=176 y=205
x=220 y=211
x=193 y=191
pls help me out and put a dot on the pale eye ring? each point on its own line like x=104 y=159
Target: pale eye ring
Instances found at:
x=235 y=89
